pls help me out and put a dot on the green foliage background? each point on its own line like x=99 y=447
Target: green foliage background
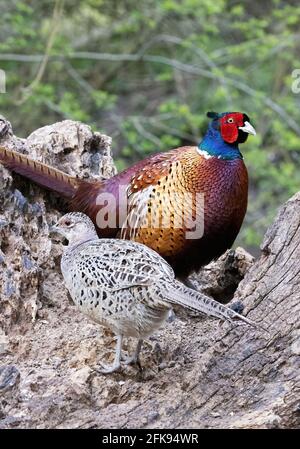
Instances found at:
x=145 y=72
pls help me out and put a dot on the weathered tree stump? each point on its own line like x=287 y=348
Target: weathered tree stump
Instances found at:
x=252 y=378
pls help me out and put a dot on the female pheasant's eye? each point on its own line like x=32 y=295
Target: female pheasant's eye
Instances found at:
x=68 y=223
x=230 y=120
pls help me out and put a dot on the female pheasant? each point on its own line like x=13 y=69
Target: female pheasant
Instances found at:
x=188 y=204
x=125 y=285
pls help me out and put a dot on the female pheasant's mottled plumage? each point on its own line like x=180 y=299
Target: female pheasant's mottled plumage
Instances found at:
x=125 y=285
x=158 y=186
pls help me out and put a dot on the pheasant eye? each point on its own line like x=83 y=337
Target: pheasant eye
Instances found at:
x=230 y=120
x=68 y=223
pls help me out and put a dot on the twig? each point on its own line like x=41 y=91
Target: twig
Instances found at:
x=146 y=134
x=188 y=68
x=27 y=91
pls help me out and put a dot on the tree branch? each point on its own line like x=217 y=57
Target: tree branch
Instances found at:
x=187 y=68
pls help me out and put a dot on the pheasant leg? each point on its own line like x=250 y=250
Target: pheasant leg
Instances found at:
x=116 y=365
x=135 y=358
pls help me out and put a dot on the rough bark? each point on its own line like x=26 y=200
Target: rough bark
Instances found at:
x=197 y=372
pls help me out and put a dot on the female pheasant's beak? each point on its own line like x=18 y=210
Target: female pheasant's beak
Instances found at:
x=56 y=229
x=57 y=234
x=248 y=128
x=53 y=229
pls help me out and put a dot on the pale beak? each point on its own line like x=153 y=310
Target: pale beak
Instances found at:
x=60 y=235
x=247 y=128
x=54 y=229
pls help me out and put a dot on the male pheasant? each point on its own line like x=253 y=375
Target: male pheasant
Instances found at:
x=124 y=285
x=207 y=184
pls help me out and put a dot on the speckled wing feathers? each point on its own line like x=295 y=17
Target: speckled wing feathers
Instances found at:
x=117 y=281
x=117 y=264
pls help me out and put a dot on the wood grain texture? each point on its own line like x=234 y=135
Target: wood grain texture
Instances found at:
x=252 y=379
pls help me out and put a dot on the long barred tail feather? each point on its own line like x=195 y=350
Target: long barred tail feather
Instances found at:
x=41 y=173
x=193 y=300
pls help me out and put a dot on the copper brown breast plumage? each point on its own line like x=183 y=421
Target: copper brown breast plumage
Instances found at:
x=165 y=204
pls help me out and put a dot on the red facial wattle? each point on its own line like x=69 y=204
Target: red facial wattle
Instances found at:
x=229 y=126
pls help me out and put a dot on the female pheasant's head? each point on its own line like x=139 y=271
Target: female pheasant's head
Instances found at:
x=76 y=228
x=225 y=132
